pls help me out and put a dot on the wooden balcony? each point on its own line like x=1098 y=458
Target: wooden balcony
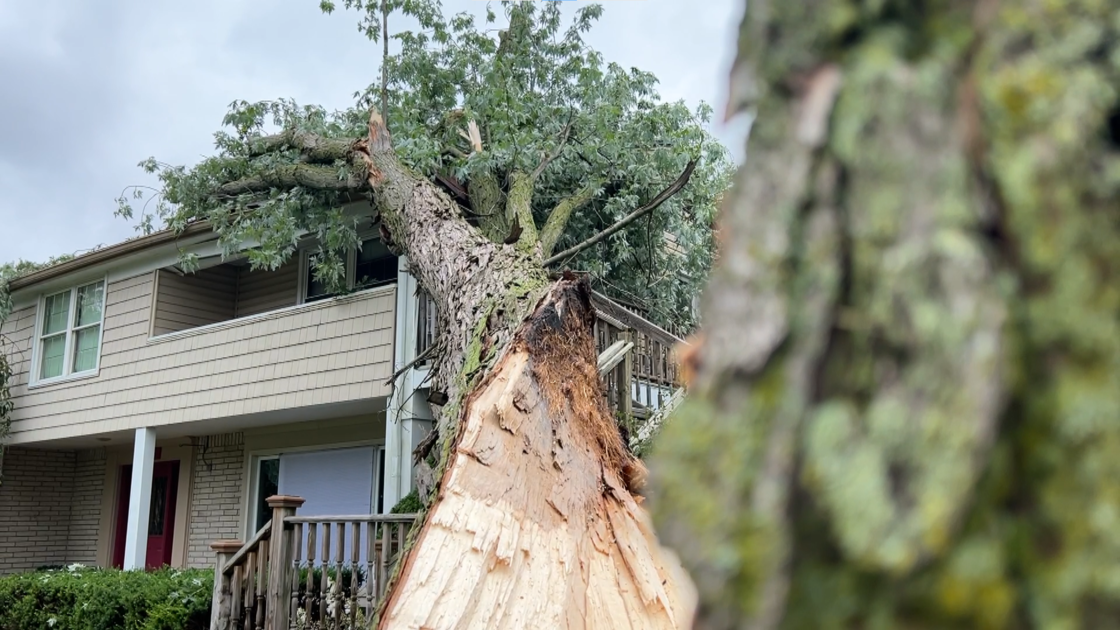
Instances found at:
x=650 y=372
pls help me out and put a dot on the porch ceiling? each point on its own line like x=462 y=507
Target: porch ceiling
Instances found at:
x=222 y=425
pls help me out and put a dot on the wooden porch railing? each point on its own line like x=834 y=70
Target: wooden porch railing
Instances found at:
x=294 y=574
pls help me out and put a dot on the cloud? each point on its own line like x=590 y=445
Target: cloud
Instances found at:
x=90 y=89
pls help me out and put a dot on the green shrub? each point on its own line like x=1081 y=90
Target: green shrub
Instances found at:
x=332 y=575
x=410 y=504
x=78 y=598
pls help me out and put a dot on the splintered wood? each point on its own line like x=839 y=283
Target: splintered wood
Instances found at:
x=534 y=525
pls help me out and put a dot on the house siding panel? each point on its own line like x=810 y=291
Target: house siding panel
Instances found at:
x=234 y=368
x=263 y=290
x=35 y=499
x=198 y=299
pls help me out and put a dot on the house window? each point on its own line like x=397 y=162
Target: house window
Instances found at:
x=268 y=479
x=315 y=290
x=70 y=331
x=347 y=480
x=372 y=265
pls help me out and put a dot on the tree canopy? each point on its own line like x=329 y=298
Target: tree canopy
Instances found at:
x=537 y=136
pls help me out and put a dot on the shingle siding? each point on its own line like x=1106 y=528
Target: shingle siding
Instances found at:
x=215 y=496
x=331 y=351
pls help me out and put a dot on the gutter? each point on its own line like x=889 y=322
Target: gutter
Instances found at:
x=106 y=254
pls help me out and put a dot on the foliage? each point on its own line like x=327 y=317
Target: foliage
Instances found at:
x=541 y=98
x=409 y=504
x=78 y=598
x=945 y=454
x=347 y=573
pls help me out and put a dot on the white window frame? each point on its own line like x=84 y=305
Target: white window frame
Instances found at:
x=67 y=365
x=255 y=457
x=307 y=251
x=254 y=488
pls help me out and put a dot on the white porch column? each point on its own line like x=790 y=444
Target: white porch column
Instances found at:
x=398 y=462
x=140 y=499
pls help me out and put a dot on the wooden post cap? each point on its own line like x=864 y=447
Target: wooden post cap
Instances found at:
x=284 y=501
x=226 y=546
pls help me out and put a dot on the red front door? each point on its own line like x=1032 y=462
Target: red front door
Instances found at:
x=161 y=514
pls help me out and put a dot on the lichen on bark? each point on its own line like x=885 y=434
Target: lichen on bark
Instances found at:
x=955 y=442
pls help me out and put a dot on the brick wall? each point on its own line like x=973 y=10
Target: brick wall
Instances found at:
x=219 y=464
x=85 y=508
x=35 y=498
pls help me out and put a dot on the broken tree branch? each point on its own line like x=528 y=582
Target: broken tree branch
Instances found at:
x=473 y=136
x=661 y=197
x=315 y=148
x=519 y=206
x=293 y=175
x=419 y=358
x=558 y=219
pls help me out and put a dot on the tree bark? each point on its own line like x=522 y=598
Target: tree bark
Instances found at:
x=533 y=516
x=904 y=395
x=292 y=176
x=558 y=219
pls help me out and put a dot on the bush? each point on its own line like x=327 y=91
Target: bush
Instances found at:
x=410 y=504
x=79 y=598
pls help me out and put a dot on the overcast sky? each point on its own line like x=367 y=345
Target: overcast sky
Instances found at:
x=88 y=89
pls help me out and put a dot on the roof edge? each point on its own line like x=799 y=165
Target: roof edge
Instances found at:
x=106 y=254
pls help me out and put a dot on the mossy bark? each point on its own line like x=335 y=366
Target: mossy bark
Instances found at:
x=906 y=407
x=532 y=516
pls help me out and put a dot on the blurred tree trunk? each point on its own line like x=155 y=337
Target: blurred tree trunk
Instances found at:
x=906 y=398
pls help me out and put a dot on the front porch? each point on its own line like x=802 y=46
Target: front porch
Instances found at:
x=69 y=502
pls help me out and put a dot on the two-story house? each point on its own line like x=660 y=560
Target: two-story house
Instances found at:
x=221 y=387
x=155 y=410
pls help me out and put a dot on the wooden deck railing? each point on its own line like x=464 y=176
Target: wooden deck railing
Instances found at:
x=295 y=573
x=650 y=372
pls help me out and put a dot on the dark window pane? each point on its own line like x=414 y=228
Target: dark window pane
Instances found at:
x=268 y=479
x=380 y=507
x=315 y=290
x=158 y=507
x=376 y=265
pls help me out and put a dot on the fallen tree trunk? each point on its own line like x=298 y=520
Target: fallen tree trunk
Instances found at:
x=535 y=524
x=533 y=521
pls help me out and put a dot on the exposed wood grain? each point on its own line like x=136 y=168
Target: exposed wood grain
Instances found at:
x=536 y=506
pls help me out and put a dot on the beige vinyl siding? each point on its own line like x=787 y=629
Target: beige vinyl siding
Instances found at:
x=333 y=351
x=194 y=300
x=263 y=290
